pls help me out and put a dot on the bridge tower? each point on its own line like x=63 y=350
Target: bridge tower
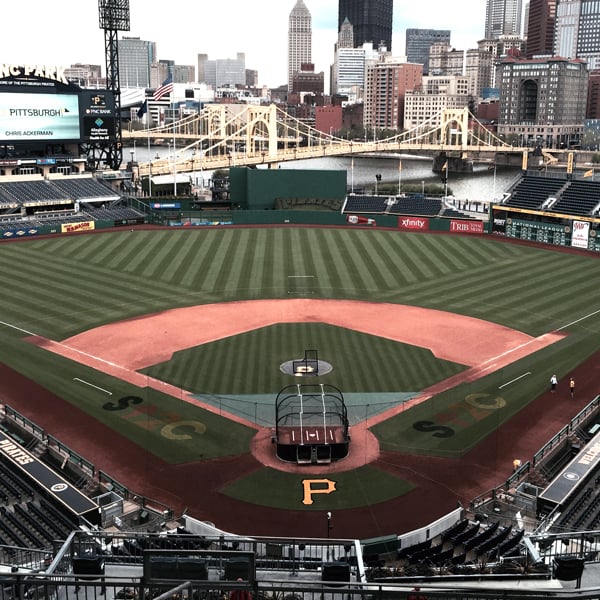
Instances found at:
x=455 y=119
x=263 y=119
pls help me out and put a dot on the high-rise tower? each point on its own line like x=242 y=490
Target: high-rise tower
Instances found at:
x=540 y=27
x=502 y=17
x=371 y=21
x=576 y=31
x=299 y=39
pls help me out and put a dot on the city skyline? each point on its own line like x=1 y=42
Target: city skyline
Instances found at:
x=39 y=38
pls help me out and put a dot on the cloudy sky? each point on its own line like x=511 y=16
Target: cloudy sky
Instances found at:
x=63 y=32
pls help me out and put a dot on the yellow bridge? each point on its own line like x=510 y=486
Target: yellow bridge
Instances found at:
x=225 y=135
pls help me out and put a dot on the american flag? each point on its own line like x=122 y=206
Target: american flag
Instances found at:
x=165 y=89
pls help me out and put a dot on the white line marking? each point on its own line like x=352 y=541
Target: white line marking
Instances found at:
x=578 y=320
x=515 y=379
x=92 y=385
x=17 y=328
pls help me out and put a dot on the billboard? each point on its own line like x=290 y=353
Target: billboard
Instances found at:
x=30 y=117
x=97 y=115
x=580 y=235
x=72 y=116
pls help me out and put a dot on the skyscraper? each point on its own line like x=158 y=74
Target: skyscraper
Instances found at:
x=576 y=31
x=540 y=27
x=299 y=39
x=135 y=57
x=418 y=42
x=502 y=17
x=371 y=20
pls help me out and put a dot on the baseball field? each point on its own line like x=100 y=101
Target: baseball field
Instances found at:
x=157 y=353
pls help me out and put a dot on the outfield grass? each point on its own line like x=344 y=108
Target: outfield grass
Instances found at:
x=58 y=287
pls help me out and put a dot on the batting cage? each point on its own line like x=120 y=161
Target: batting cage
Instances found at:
x=311 y=424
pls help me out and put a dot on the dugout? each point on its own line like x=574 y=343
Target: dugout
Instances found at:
x=263 y=189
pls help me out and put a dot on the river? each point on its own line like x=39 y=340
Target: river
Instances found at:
x=483 y=184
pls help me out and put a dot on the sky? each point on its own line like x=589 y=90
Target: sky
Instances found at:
x=64 y=32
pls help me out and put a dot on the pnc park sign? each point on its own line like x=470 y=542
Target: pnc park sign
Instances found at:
x=52 y=72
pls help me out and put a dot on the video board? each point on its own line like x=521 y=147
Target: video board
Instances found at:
x=30 y=117
x=97 y=109
x=81 y=116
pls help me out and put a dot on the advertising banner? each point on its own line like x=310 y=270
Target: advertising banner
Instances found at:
x=359 y=220
x=580 y=235
x=466 y=226
x=72 y=227
x=413 y=223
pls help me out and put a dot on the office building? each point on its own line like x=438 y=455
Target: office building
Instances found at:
x=223 y=72
x=577 y=31
x=540 y=28
x=85 y=75
x=477 y=64
x=346 y=35
x=306 y=82
x=419 y=41
x=502 y=17
x=593 y=101
x=370 y=19
x=437 y=93
x=386 y=82
x=542 y=101
x=348 y=73
x=299 y=40
x=135 y=57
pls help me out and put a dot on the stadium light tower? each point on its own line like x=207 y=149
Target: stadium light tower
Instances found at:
x=114 y=17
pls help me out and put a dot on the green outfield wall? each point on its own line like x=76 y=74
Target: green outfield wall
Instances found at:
x=257 y=189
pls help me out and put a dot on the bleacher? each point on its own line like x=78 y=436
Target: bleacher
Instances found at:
x=579 y=198
x=532 y=192
x=85 y=188
x=32 y=204
x=424 y=207
x=359 y=203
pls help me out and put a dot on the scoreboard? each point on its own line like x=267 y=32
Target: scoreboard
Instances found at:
x=559 y=230
x=52 y=112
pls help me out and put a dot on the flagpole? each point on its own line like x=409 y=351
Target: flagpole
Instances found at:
x=174 y=154
x=446 y=179
x=149 y=155
x=399 y=177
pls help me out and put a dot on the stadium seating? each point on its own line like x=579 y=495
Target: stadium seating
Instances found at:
x=531 y=192
x=579 y=198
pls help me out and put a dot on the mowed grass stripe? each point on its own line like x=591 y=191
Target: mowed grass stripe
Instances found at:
x=272 y=262
x=250 y=362
x=230 y=264
x=390 y=252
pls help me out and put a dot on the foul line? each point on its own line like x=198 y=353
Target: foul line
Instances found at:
x=16 y=328
x=578 y=320
x=515 y=379
x=92 y=385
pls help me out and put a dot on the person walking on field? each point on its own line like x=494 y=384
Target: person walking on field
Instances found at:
x=572 y=387
x=553 y=382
